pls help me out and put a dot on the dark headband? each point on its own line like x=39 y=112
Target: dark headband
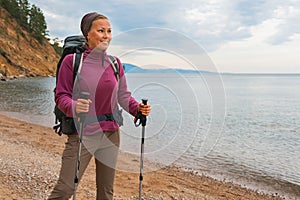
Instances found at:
x=87 y=21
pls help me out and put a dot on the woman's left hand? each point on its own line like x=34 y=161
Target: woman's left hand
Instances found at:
x=144 y=109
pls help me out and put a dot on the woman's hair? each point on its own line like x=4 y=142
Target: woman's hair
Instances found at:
x=87 y=21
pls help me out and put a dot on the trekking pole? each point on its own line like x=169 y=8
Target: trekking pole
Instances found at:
x=143 y=120
x=81 y=118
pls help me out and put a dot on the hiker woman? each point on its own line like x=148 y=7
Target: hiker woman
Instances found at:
x=101 y=133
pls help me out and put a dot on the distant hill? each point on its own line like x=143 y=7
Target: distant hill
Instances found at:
x=21 y=54
x=130 y=68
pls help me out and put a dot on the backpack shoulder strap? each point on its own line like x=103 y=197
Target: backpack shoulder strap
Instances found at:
x=115 y=66
x=77 y=64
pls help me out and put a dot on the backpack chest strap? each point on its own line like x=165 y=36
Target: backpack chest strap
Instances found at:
x=93 y=119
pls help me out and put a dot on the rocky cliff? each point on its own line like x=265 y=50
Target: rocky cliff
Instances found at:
x=21 y=54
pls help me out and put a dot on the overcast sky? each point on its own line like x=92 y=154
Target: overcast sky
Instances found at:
x=249 y=36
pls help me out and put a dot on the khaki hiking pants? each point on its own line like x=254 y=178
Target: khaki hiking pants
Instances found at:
x=104 y=147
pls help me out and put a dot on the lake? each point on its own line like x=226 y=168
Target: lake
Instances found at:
x=239 y=128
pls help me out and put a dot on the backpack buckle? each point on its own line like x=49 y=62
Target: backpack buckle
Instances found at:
x=109 y=117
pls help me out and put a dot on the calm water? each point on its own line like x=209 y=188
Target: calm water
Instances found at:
x=241 y=128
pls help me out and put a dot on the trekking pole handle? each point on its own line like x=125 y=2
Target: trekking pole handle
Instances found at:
x=143 y=117
x=140 y=118
x=84 y=95
x=145 y=101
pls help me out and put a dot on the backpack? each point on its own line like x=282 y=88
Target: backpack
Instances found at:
x=76 y=45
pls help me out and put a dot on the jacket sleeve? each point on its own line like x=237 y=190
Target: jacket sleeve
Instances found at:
x=64 y=87
x=125 y=98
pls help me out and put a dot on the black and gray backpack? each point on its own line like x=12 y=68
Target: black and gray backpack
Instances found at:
x=74 y=45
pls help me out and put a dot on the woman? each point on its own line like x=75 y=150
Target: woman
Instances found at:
x=101 y=138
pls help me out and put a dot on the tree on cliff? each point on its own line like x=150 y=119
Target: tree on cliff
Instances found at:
x=24 y=10
x=37 y=23
x=29 y=17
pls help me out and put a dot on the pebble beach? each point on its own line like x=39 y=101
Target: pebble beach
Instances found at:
x=30 y=160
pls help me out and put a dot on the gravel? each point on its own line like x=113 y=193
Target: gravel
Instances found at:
x=31 y=173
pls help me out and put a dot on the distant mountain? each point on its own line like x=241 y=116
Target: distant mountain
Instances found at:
x=130 y=68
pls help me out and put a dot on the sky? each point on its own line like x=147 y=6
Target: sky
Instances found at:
x=237 y=36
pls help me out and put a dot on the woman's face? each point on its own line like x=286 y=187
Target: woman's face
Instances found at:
x=100 y=34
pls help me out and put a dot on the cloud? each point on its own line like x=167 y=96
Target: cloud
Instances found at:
x=284 y=15
x=214 y=23
x=251 y=13
x=209 y=24
x=288 y=18
x=170 y=48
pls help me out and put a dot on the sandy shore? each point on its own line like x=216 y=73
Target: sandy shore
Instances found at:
x=30 y=160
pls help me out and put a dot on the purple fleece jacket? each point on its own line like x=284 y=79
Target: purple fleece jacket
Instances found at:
x=96 y=77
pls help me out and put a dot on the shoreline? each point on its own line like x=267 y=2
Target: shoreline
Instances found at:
x=30 y=162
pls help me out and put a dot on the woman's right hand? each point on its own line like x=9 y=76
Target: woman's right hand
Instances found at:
x=82 y=105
